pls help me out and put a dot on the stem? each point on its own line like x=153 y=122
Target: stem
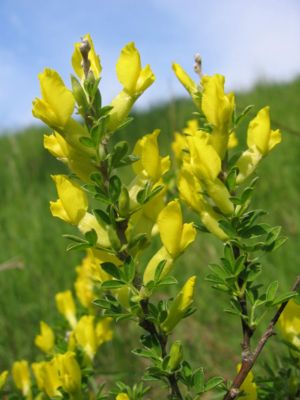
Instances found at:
x=248 y=364
x=162 y=339
x=247 y=330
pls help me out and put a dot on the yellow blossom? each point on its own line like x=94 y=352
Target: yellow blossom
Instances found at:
x=21 y=377
x=218 y=109
x=248 y=387
x=72 y=203
x=150 y=165
x=190 y=192
x=79 y=162
x=206 y=165
x=175 y=235
x=122 y=396
x=57 y=103
x=134 y=79
x=92 y=56
x=89 y=336
x=179 y=306
x=260 y=134
x=289 y=323
x=161 y=255
x=89 y=222
x=3 y=378
x=69 y=372
x=66 y=306
x=45 y=340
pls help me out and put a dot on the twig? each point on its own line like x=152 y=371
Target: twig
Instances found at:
x=14 y=263
x=248 y=364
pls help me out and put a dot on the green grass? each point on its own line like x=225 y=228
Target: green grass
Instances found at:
x=30 y=234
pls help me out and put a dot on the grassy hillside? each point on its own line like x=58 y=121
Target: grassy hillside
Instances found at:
x=39 y=266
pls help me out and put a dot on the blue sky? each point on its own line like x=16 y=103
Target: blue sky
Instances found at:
x=246 y=41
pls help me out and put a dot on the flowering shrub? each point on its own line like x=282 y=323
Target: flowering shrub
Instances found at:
x=117 y=221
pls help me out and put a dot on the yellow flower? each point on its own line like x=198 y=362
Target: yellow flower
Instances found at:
x=188 y=83
x=218 y=108
x=72 y=203
x=248 y=387
x=135 y=81
x=122 y=396
x=57 y=103
x=66 y=306
x=179 y=306
x=206 y=165
x=260 y=134
x=3 y=378
x=69 y=372
x=260 y=140
x=92 y=56
x=190 y=192
x=84 y=286
x=175 y=235
x=90 y=336
x=79 y=162
x=151 y=165
x=21 y=377
x=45 y=341
x=232 y=141
x=161 y=255
x=47 y=378
x=289 y=323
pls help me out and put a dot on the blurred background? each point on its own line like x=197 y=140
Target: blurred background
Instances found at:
x=254 y=44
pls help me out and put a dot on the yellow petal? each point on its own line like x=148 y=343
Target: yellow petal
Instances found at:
x=190 y=189
x=129 y=67
x=247 y=163
x=145 y=79
x=72 y=203
x=69 y=372
x=275 y=138
x=188 y=235
x=185 y=79
x=3 y=378
x=85 y=335
x=259 y=131
x=205 y=161
x=21 y=376
x=289 y=323
x=56 y=145
x=179 y=306
x=233 y=141
x=170 y=227
x=66 y=306
x=45 y=341
x=55 y=94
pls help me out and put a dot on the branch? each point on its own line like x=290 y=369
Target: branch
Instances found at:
x=248 y=364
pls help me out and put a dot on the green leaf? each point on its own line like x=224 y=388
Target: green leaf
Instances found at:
x=272 y=290
x=111 y=269
x=119 y=151
x=243 y=114
x=168 y=280
x=78 y=246
x=91 y=237
x=74 y=238
x=284 y=297
x=102 y=216
x=115 y=186
x=97 y=178
x=86 y=141
x=198 y=380
x=129 y=270
x=127 y=160
x=159 y=269
x=213 y=382
x=125 y=123
x=113 y=284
